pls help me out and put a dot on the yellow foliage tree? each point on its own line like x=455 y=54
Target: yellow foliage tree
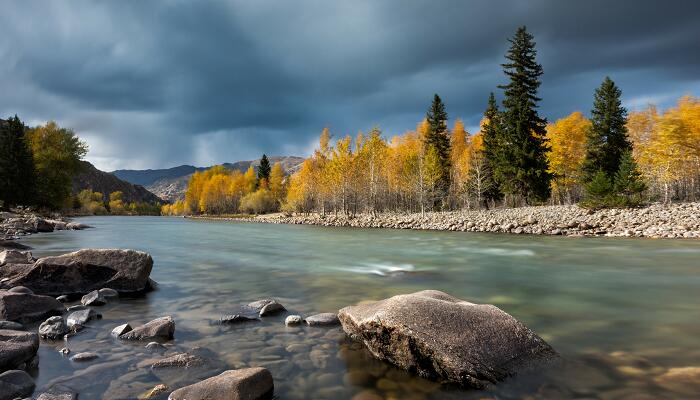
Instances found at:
x=567 y=139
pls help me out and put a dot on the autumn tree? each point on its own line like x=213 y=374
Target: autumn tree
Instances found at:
x=116 y=203
x=459 y=161
x=437 y=143
x=567 y=138
x=277 y=183
x=57 y=153
x=17 y=174
x=523 y=144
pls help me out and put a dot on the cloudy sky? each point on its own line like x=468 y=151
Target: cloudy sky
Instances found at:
x=153 y=84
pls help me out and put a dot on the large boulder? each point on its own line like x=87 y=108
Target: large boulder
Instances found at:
x=17 y=348
x=15 y=385
x=26 y=308
x=444 y=338
x=86 y=270
x=248 y=384
x=160 y=328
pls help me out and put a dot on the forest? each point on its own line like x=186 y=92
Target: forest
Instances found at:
x=611 y=159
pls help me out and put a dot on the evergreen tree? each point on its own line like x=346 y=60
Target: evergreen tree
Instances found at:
x=629 y=185
x=493 y=153
x=438 y=139
x=17 y=171
x=598 y=191
x=523 y=131
x=607 y=140
x=264 y=169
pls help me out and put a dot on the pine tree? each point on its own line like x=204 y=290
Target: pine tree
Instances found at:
x=493 y=153
x=523 y=131
x=439 y=140
x=628 y=184
x=17 y=171
x=598 y=191
x=264 y=169
x=607 y=140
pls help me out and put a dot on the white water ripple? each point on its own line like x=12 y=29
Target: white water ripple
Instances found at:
x=497 y=251
x=381 y=269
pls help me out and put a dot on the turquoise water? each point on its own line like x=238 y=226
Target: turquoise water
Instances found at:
x=621 y=312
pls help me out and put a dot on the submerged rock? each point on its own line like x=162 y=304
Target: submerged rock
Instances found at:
x=57 y=396
x=108 y=293
x=248 y=383
x=159 y=328
x=15 y=384
x=293 y=320
x=235 y=319
x=323 y=319
x=271 y=308
x=93 y=298
x=81 y=317
x=26 y=308
x=85 y=356
x=53 y=328
x=444 y=338
x=86 y=270
x=17 y=348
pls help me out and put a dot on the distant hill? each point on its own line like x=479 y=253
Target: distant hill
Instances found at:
x=106 y=183
x=170 y=184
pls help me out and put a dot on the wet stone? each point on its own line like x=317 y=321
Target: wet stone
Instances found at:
x=121 y=329
x=323 y=319
x=94 y=298
x=84 y=357
x=293 y=320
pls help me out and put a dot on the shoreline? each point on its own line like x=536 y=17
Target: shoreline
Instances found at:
x=669 y=221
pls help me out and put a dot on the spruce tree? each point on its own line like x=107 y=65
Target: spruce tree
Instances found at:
x=264 y=169
x=439 y=140
x=628 y=183
x=494 y=155
x=607 y=140
x=17 y=171
x=523 y=131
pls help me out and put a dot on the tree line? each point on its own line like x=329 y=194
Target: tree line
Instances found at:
x=87 y=202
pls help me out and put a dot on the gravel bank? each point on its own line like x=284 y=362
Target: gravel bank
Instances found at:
x=653 y=221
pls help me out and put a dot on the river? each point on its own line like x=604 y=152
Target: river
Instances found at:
x=621 y=312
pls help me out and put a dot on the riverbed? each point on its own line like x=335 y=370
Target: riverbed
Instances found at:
x=622 y=312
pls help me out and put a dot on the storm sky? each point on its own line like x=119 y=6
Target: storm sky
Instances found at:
x=152 y=84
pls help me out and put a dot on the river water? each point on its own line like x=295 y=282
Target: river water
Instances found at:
x=622 y=312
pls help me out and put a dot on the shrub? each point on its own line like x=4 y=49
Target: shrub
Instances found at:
x=259 y=202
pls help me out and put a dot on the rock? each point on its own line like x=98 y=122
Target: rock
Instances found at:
x=76 y=226
x=444 y=338
x=159 y=328
x=323 y=319
x=293 y=320
x=235 y=319
x=57 y=396
x=155 y=346
x=64 y=351
x=12 y=245
x=157 y=390
x=11 y=325
x=17 y=348
x=53 y=328
x=121 y=329
x=271 y=308
x=42 y=225
x=108 y=293
x=85 y=356
x=681 y=380
x=181 y=360
x=86 y=270
x=63 y=298
x=20 y=289
x=15 y=257
x=15 y=384
x=248 y=384
x=93 y=298
x=82 y=317
x=76 y=307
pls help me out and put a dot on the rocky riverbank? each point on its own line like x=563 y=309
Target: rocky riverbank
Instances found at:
x=16 y=224
x=653 y=221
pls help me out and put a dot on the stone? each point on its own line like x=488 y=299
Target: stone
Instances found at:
x=26 y=308
x=86 y=270
x=20 y=289
x=76 y=307
x=248 y=384
x=11 y=325
x=82 y=317
x=108 y=293
x=159 y=328
x=76 y=226
x=235 y=319
x=323 y=319
x=155 y=346
x=293 y=320
x=441 y=337
x=17 y=348
x=63 y=298
x=154 y=392
x=181 y=360
x=85 y=356
x=271 y=308
x=93 y=298
x=681 y=380
x=15 y=257
x=15 y=384
x=57 y=396
x=53 y=328
x=121 y=329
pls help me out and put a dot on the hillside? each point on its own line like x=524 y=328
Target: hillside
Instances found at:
x=106 y=183
x=171 y=183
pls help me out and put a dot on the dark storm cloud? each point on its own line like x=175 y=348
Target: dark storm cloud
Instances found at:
x=153 y=84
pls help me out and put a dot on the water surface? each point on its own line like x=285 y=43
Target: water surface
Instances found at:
x=620 y=311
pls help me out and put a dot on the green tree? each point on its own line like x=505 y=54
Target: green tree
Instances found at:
x=494 y=160
x=264 y=170
x=437 y=138
x=629 y=185
x=17 y=174
x=598 y=191
x=57 y=152
x=607 y=139
x=523 y=131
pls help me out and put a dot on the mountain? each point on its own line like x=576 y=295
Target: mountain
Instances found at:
x=170 y=184
x=106 y=183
